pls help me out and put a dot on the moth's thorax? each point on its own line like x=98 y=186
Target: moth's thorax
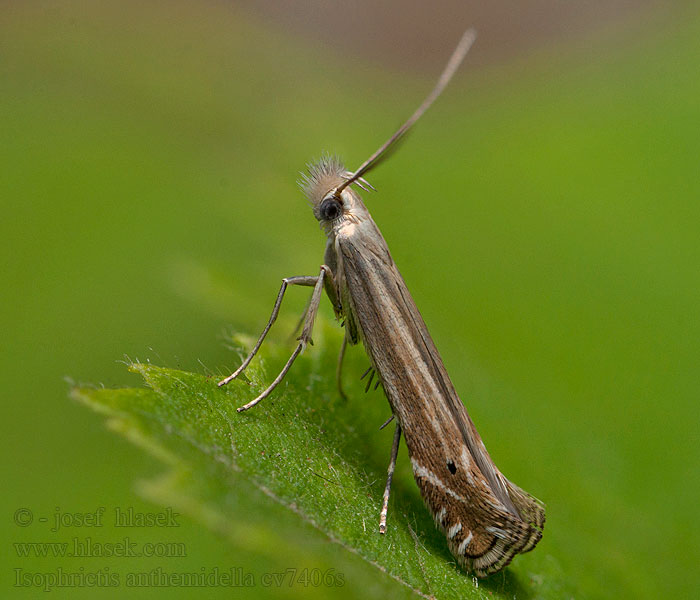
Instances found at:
x=354 y=218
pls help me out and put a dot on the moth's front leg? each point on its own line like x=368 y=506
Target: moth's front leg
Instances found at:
x=305 y=336
x=287 y=281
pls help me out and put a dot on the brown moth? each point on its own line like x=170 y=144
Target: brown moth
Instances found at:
x=487 y=519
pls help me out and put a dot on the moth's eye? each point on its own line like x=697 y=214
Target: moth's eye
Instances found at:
x=330 y=209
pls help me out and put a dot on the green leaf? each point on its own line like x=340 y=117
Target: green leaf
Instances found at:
x=303 y=464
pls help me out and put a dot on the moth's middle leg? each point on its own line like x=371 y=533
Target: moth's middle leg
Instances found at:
x=339 y=368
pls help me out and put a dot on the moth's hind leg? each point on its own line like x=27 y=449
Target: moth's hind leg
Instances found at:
x=339 y=368
x=389 y=477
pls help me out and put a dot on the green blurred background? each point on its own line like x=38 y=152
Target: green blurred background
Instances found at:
x=545 y=215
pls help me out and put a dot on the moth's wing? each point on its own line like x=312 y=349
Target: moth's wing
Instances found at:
x=482 y=532
x=529 y=508
x=509 y=520
x=483 y=537
x=486 y=519
x=510 y=495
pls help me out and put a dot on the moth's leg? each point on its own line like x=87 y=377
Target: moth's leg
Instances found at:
x=339 y=368
x=331 y=292
x=304 y=338
x=390 y=475
x=369 y=370
x=287 y=281
x=369 y=381
x=389 y=420
x=294 y=335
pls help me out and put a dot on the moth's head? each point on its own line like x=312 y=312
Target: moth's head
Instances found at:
x=320 y=184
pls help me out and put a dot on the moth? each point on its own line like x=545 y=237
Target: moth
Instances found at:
x=487 y=519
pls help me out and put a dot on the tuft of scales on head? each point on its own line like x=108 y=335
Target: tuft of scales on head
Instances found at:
x=323 y=176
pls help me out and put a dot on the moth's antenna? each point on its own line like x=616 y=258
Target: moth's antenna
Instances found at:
x=455 y=60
